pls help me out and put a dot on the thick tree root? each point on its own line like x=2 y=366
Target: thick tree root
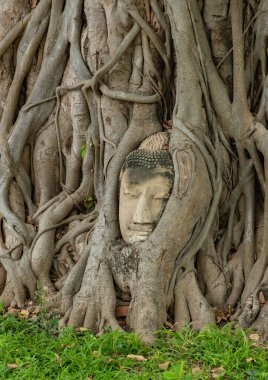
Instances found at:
x=78 y=95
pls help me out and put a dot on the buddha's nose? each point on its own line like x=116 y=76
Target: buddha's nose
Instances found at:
x=143 y=213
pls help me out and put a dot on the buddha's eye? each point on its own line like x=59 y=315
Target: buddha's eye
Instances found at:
x=132 y=195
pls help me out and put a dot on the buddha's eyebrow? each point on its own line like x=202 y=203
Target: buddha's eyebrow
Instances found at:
x=161 y=194
x=130 y=186
x=135 y=182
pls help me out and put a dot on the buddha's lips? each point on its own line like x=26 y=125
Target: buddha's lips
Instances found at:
x=143 y=231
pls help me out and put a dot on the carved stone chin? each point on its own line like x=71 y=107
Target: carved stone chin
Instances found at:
x=146 y=182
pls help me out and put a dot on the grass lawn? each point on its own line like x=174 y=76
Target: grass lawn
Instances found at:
x=37 y=349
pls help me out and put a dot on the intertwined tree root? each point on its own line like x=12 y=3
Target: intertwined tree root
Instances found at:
x=85 y=82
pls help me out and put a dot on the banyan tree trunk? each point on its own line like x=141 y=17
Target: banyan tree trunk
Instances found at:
x=83 y=83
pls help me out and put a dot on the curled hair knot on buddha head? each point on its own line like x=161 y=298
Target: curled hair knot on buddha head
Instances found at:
x=153 y=152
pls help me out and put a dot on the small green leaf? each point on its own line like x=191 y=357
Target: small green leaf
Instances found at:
x=90 y=202
x=85 y=148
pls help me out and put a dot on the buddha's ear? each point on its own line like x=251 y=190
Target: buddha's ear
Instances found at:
x=184 y=167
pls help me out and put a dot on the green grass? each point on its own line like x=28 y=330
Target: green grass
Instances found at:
x=41 y=351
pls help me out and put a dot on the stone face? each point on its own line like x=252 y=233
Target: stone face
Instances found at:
x=146 y=182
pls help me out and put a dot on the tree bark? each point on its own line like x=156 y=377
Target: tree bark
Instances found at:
x=82 y=85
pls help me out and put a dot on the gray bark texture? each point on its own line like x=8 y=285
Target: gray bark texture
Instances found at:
x=82 y=84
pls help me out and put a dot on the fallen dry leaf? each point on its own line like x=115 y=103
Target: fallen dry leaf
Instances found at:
x=12 y=365
x=217 y=372
x=138 y=358
x=249 y=360
x=96 y=353
x=13 y=311
x=72 y=345
x=110 y=360
x=58 y=359
x=24 y=313
x=81 y=329
x=170 y=325
x=223 y=315
x=254 y=337
x=164 y=365
x=37 y=310
x=196 y=370
x=215 y=375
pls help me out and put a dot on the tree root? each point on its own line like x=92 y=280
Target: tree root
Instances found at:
x=261 y=323
x=106 y=79
x=14 y=33
x=190 y=305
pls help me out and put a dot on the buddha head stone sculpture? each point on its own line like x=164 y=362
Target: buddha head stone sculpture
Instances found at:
x=146 y=182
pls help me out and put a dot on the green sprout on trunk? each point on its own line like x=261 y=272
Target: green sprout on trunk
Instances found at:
x=85 y=148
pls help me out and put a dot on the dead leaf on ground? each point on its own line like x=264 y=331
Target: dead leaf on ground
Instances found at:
x=58 y=359
x=217 y=372
x=164 y=365
x=24 y=313
x=254 y=337
x=138 y=358
x=81 y=329
x=170 y=325
x=72 y=345
x=96 y=353
x=12 y=365
x=223 y=315
x=13 y=311
x=249 y=360
x=37 y=310
x=196 y=370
